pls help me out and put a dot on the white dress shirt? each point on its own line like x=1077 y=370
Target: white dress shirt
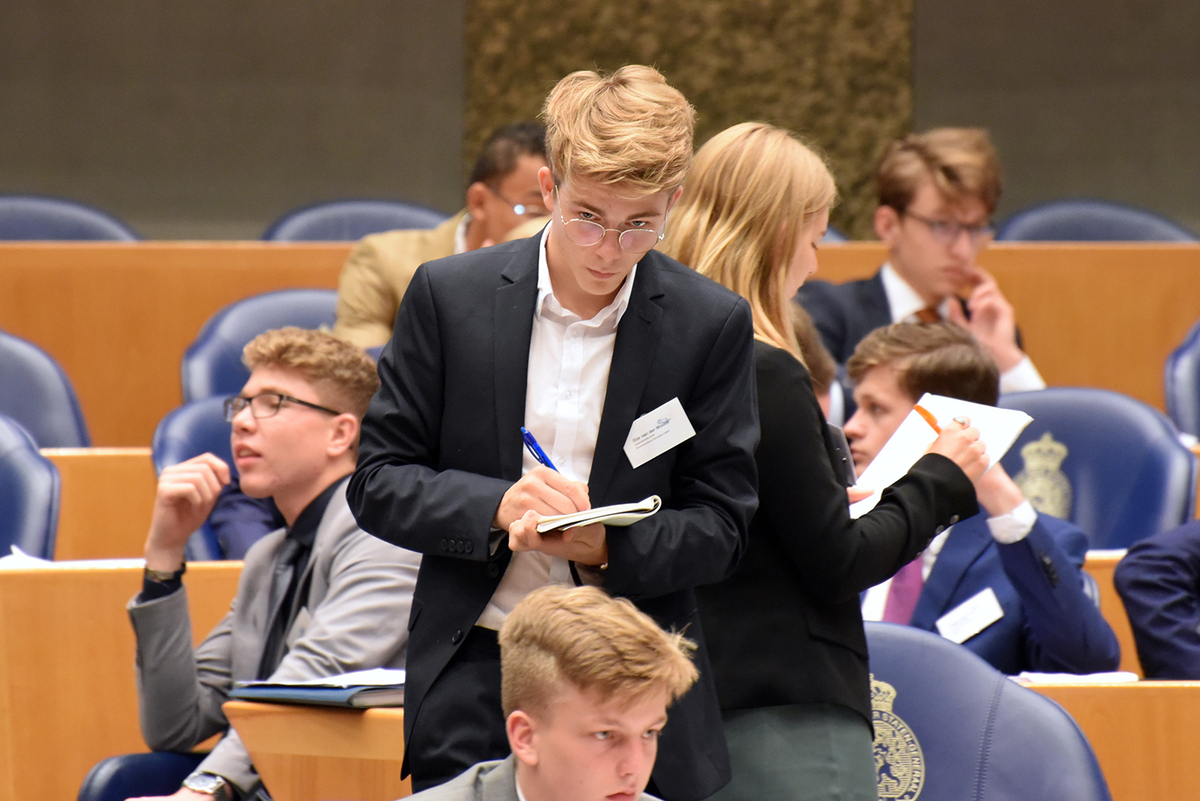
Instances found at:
x=569 y=361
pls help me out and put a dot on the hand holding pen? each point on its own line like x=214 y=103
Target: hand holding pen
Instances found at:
x=959 y=443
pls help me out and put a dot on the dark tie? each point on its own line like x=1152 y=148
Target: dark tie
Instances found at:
x=929 y=314
x=903 y=594
x=279 y=607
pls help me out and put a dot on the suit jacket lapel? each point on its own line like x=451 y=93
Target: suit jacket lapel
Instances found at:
x=512 y=327
x=967 y=541
x=633 y=356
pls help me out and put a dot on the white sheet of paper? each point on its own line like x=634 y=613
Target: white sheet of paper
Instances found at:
x=998 y=428
x=657 y=431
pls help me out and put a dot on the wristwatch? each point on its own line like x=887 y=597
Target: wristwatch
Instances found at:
x=210 y=784
x=162 y=576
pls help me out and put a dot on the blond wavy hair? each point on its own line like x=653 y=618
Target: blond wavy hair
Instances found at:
x=600 y=645
x=343 y=375
x=629 y=127
x=752 y=188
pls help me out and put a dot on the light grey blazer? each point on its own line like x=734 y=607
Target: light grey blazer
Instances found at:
x=487 y=781
x=356 y=617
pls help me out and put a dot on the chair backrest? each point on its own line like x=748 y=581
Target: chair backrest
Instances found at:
x=950 y=727
x=118 y=778
x=36 y=392
x=212 y=364
x=33 y=217
x=1105 y=461
x=1090 y=221
x=190 y=430
x=29 y=492
x=349 y=220
x=1181 y=383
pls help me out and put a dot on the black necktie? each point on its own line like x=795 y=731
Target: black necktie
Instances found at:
x=280 y=605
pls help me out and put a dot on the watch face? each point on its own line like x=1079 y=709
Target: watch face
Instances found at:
x=208 y=783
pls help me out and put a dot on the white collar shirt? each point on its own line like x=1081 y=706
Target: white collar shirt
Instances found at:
x=567 y=380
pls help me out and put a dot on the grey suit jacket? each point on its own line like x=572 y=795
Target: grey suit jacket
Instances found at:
x=487 y=781
x=355 y=617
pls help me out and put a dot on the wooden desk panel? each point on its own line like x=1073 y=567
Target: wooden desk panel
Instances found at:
x=67 y=689
x=1142 y=733
x=1101 y=564
x=118 y=316
x=310 y=753
x=106 y=502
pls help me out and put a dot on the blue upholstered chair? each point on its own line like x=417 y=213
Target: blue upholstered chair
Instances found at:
x=1181 y=383
x=833 y=235
x=135 y=775
x=1090 y=221
x=1107 y=462
x=949 y=726
x=36 y=392
x=29 y=490
x=349 y=220
x=192 y=429
x=212 y=364
x=33 y=217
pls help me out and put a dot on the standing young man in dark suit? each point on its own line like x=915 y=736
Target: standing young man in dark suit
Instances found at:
x=590 y=339
x=937 y=193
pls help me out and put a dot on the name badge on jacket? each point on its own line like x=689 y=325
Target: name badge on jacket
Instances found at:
x=657 y=431
x=970 y=617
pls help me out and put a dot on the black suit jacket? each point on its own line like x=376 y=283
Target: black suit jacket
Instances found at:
x=441 y=444
x=787 y=628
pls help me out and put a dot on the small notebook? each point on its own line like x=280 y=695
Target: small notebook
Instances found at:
x=619 y=514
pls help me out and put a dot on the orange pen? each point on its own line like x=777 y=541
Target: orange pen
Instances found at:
x=928 y=417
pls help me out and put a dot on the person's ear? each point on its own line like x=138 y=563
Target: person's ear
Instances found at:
x=343 y=435
x=674 y=197
x=521 y=730
x=546 y=185
x=477 y=195
x=887 y=224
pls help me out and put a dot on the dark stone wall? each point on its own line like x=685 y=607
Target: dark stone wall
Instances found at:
x=838 y=73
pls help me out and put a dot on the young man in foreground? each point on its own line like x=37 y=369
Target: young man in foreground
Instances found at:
x=598 y=345
x=587 y=681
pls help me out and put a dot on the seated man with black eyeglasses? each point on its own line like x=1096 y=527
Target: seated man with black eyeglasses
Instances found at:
x=318 y=597
x=937 y=191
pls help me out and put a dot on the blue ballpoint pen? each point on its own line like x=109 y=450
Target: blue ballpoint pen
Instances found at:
x=536 y=449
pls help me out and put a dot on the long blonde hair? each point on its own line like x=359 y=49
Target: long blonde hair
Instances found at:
x=751 y=189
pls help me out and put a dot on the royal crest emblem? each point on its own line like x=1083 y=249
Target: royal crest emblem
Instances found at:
x=899 y=763
x=1048 y=490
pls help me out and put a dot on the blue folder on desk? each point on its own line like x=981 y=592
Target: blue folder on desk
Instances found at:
x=360 y=689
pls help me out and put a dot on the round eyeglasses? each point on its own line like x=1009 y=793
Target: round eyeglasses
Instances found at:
x=266 y=404
x=947 y=232
x=587 y=234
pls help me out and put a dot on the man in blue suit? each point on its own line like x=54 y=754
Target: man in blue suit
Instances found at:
x=1006 y=583
x=937 y=192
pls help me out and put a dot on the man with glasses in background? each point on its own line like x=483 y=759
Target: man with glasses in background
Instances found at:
x=316 y=598
x=937 y=193
x=635 y=375
x=503 y=202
